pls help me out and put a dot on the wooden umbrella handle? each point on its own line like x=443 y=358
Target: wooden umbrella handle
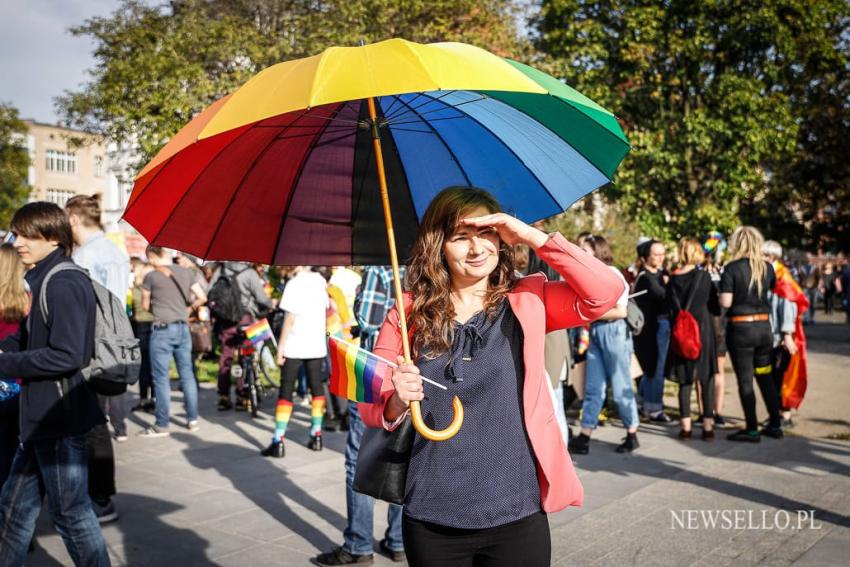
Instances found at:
x=415 y=407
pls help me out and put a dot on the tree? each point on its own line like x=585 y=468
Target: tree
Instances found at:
x=708 y=93
x=157 y=66
x=14 y=163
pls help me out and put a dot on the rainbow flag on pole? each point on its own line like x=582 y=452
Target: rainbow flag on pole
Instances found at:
x=356 y=373
x=259 y=332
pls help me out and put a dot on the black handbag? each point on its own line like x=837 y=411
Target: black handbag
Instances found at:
x=382 y=462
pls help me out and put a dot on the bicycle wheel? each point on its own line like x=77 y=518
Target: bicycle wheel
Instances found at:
x=269 y=369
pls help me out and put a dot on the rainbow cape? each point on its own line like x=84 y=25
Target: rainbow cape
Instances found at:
x=356 y=374
x=796 y=376
x=259 y=332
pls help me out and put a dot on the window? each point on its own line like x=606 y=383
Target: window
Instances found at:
x=58 y=196
x=98 y=166
x=60 y=162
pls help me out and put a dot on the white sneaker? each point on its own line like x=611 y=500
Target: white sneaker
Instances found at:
x=193 y=425
x=154 y=431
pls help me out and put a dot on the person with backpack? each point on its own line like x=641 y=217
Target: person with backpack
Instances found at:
x=165 y=292
x=57 y=408
x=236 y=298
x=692 y=303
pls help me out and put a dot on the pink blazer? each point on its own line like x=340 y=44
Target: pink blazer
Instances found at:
x=589 y=289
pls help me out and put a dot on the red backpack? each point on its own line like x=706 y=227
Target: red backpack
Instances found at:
x=686 y=339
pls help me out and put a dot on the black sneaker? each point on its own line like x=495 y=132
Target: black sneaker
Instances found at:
x=339 y=556
x=315 y=443
x=660 y=417
x=698 y=421
x=580 y=445
x=275 y=450
x=774 y=432
x=105 y=512
x=224 y=403
x=719 y=421
x=745 y=436
x=787 y=423
x=629 y=444
x=395 y=555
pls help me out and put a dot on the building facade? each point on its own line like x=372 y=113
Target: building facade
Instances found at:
x=66 y=162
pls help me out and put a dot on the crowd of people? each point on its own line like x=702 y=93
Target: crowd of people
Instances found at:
x=611 y=334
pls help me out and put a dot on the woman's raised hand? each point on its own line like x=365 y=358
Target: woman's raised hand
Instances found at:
x=511 y=230
x=407 y=382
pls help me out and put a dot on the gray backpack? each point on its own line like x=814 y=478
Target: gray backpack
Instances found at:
x=117 y=356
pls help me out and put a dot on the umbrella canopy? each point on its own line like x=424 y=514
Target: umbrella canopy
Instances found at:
x=283 y=170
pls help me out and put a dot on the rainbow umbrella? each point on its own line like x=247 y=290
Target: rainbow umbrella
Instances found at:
x=311 y=160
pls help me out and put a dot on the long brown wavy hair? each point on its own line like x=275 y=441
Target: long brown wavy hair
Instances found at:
x=428 y=275
x=14 y=299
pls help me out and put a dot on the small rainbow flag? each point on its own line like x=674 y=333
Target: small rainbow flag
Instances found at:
x=259 y=332
x=356 y=373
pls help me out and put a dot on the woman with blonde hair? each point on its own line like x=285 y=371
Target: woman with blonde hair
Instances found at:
x=14 y=305
x=482 y=496
x=744 y=289
x=690 y=288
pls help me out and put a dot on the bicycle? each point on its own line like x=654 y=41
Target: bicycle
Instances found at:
x=254 y=367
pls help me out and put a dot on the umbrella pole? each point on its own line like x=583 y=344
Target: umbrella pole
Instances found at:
x=415 y=408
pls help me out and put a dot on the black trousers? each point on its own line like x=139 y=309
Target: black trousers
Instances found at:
x=523 y=543
x=750 y=347
x=781 y=360
x=289 y=374
x=101 y=464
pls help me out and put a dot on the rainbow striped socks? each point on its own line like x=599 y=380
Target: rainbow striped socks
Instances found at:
x=317 y=415
x=281 y=419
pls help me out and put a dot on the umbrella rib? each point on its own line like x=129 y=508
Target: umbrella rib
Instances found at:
x=295 y=181
x=413 y=108
x=390 y=114
x=451 y=106
x=446 y=145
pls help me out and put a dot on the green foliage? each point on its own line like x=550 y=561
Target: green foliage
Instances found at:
x=14 y=162
x=709 y=95
x=157 y=66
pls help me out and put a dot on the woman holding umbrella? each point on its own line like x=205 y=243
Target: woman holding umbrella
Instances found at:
x=483 y=495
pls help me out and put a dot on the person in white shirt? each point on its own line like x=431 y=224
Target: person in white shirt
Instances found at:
x=608 y=362
x=110 y=267
x=302 y=341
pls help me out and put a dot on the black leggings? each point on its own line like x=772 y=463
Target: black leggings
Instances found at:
x=289 y=373
x=751 y=350
x=706 y=391
x=525 y=542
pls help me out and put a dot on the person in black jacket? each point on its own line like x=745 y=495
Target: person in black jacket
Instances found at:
x=653 y=341
x=57 y=408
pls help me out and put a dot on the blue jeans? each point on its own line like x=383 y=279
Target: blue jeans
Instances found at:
x=173 y=339
x=358 y=532
x=58 y=468
x=609 y=359
x=651 y=388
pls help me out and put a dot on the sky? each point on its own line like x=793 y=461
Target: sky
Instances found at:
x=39 y=58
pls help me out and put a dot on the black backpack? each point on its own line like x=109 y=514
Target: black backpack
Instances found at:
x=224 y=298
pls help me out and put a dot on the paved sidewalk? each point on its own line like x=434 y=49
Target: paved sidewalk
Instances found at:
x=208 y=498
